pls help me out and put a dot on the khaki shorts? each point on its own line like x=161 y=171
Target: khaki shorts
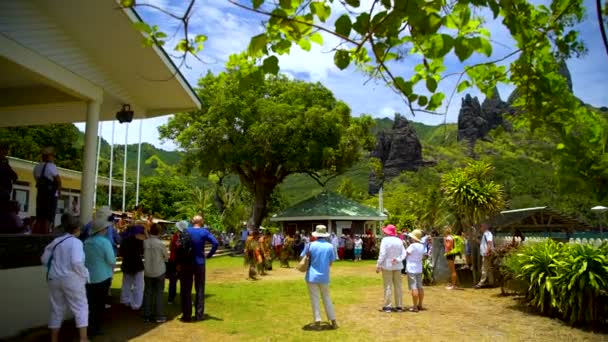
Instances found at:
x=414 y=281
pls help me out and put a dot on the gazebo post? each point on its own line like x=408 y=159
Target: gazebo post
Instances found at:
x=90 y=156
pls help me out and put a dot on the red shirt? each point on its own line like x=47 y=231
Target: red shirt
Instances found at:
x=173 y=246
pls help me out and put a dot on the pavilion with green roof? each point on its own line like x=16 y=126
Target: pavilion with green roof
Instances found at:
x=339 y=214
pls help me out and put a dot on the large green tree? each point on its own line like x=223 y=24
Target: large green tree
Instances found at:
x=27 y=143
x=266 y=131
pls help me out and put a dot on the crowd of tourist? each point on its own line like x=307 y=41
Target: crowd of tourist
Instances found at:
x=80 y=266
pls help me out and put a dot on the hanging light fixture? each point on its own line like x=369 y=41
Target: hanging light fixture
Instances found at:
x=125 y=114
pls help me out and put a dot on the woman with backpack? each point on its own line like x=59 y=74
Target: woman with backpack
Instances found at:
x=132 y=251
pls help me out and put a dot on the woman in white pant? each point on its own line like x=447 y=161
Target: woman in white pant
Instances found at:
x=322 y=255
x=67 y=277
x=132 y=250
x=390 y=262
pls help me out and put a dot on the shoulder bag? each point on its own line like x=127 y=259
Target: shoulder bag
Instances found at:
x=305 y=262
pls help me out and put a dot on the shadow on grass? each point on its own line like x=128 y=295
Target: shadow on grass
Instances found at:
x=522 y=306
x=323 y=326
x=120 y=323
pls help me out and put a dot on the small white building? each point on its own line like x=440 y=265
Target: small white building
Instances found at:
x=66 y=61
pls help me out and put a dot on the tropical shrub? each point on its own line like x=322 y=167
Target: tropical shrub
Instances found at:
x=427 y=273
x=538 y=267
x=569 y=280
x=582 y=278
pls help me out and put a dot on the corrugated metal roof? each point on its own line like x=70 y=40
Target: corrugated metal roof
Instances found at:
x=535 y=219
x=329 y=204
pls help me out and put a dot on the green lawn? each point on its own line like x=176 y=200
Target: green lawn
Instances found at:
x=277 y=308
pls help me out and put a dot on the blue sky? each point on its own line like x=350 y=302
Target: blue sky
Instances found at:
x=230 y=28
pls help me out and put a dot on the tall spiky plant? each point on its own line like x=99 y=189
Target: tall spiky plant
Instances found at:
x=472 y=194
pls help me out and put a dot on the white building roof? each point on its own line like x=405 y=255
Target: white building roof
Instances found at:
x=57 y=55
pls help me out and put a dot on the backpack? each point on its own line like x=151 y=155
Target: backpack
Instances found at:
x=184 y=249
x=45 y=185
x=458 y=246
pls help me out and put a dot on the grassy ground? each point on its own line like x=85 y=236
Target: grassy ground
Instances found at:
x=276 y=308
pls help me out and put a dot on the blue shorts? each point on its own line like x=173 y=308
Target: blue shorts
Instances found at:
x=358 y=251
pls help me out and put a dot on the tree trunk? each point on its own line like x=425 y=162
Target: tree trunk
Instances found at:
x=259 y=209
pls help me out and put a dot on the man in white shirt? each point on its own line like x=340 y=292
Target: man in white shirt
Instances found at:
x=390 y=262
x=415 y=255
x=486 y=247
x=48 y=184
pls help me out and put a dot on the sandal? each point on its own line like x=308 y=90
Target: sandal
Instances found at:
x=413 y=309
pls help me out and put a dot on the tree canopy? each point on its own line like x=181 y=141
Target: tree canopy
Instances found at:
x=267 y=131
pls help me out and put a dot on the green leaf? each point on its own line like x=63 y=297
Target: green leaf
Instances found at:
x=200 y=38
x=431 y=84
x=463 y=49
x=463 y=85
x=305 y=44
x=143 y=27
x=317 y=38
x=342 y=59
x=343 y=25
x=286 y=4
x=436 y=100
x=127 y=3
x=257 y=3
x=321 y=10
x=561 y=146
x=439 y=45
x=422 y=101
x=271 y=65
x=361 y=25
x=386 y=3
x=181 y=46
x=257 y=45
x=354 y=3
x=405 y=87
x=281 y=46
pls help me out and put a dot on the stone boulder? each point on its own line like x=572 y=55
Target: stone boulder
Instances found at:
x=398 y=150
x=475 y=121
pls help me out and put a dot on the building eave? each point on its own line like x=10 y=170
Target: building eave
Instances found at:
x=325 y=218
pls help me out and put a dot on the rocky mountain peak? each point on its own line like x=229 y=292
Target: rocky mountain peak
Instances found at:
x=398 y=150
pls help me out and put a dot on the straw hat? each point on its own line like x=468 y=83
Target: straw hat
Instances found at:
x=320 y=231
x=416 y=234
x=390 y=230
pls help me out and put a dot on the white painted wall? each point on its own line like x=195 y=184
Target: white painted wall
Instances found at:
x=24 y=298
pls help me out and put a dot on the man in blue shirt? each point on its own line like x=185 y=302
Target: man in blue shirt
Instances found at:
x=322 y=255
x=196 y=270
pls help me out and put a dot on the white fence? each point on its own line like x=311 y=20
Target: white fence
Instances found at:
x=502 y=240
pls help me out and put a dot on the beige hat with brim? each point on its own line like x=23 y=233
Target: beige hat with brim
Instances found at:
x=416 y=234
x=320 y=231
x=103 y=220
